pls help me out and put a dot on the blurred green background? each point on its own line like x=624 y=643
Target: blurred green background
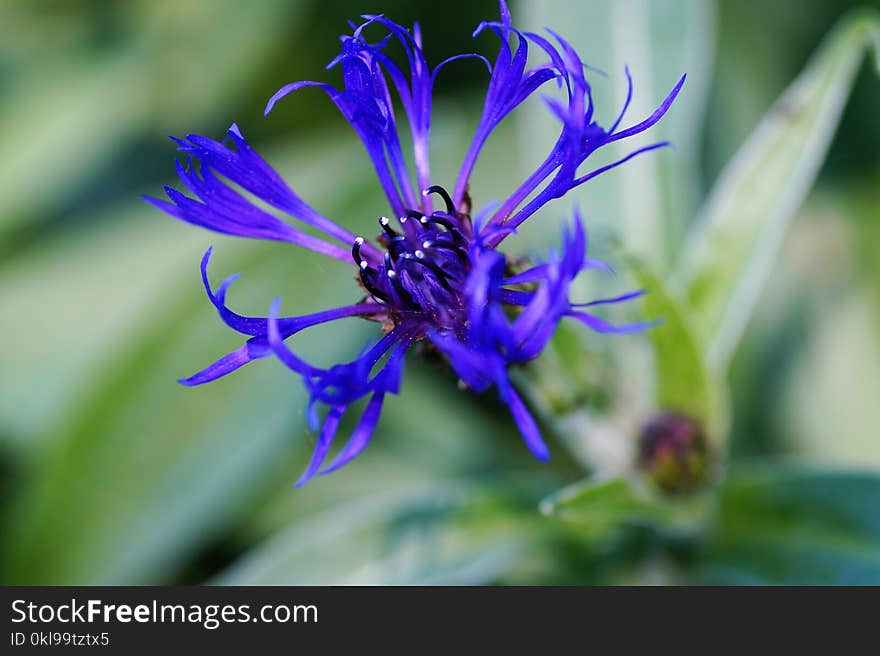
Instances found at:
x=112 y=473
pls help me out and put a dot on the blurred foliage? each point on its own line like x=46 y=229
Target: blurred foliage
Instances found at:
x=112 y=473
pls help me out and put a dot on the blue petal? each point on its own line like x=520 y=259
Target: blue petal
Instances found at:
x=361 y=435
x=527 y=426
x=322 y=446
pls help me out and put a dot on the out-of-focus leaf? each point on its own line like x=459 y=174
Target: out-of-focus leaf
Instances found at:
x=601 y=507
x=833 y=389
x=732 y=250
x=72 y=279
x=796 y=525
x=683 y=382
x=651 y=198
x=54 y=150
x=67 y=117
x=428 y=535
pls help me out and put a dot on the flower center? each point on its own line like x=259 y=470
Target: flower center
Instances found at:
x=422 y=274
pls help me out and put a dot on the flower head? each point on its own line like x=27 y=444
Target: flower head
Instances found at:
x=434 y=276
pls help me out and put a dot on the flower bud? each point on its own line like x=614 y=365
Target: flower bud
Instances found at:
x=673 y=452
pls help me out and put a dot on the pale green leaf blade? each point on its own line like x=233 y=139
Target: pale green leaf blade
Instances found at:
x=427 y=534
x=731 y=251
x=683 y=381
x=66 y=118
x=600 y=508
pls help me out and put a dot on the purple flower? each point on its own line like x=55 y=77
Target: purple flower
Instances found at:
x=434 y=277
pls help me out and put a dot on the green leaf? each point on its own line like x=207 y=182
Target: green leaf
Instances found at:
x=599 y=508
x=833 y=387
x=422 y=534
x=796 y=525
x=69 y=116
x=730 y=254
x=109 y=264
x=683 y=382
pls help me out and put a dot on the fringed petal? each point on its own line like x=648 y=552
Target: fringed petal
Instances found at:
x=276 y=343
x=654 y=117
x=225 y=365
x=287 y=325
x=361 y=435
x=580 y=137
x=527 y=426
x=617 y=299
x=602 y=326
x=218 y=207
x=469 y=364
x=322 y=446
x=509 y=85
x=365 y=104
x=246 y=168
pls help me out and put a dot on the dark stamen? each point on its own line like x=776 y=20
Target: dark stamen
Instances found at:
x=375 y=291
x=426 y=241
x=440 y=191
x=384 y=222
x=356 y=250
